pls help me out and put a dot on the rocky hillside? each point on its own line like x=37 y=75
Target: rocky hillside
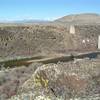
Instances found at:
x=31 y=40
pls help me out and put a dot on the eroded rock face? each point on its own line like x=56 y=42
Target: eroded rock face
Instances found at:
x=64 y=80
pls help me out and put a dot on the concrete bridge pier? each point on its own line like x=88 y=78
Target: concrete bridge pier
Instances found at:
x=99 y=42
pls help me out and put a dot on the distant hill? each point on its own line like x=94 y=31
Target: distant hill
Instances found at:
x=86 y=18
x=31 y=21
x=25 y=21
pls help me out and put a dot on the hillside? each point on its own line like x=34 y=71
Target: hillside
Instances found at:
x=46 y=39
x=86 y=18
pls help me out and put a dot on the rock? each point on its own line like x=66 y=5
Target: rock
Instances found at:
x=64 y=80
x=12 y=79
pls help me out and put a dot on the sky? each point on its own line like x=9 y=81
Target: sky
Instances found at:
x=45 y=9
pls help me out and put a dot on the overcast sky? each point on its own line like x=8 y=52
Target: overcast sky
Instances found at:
x=45 y=9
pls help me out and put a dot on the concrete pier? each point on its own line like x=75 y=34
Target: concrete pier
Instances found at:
x=72 y=29
x=99 y=42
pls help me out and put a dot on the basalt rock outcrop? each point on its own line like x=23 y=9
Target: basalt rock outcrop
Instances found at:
x=63 y=81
